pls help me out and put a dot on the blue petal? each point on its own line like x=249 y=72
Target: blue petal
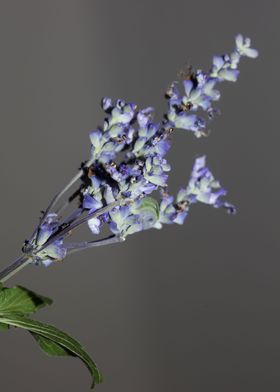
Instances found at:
x=94 y=225
x=230 y=75
x=56 y=251
x=108 y=194
x=189 y=122
x=218 y=62
x=90 y=203
x=239 y=40
x=106 y=103
x=47 y=262
x=144 y=116
x=95 y=138
x=188 y=85
x=180 y=218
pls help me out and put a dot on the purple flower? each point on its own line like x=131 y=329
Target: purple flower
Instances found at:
x=204 y=188
x=189 y=122
x=53 y=252
x=93 y=204
x=243 y=46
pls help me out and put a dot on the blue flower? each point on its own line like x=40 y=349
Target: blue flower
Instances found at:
x=204 y=188
x=90 y=203
x=128 y=164
x=189 y=122
x=47 y=228
x=243 y=46
x=54 y=252
x=140 y=215
x=155 y=170
x=122 y=113
x=221 y=69
x=93 y=203
x=195 y=96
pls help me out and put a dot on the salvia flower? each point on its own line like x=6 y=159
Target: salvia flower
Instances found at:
x=128 y=165
x=199 y=89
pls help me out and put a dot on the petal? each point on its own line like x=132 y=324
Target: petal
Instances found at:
x=188 y=122
x=106 y=103
x=210 y=92
x=229 y=74
x=94 y=225
x=95 y=138
x=144 y=116
x=139 y=144
x=47 y=262
x=182 y=195
x=55 y=251
x=250 y=52
x=239 y=40
x=188 y=85
x=218 y=62
x=44 y=234
x=180 y=218
x=108 y=194
x=90 y=203
x=95 y=182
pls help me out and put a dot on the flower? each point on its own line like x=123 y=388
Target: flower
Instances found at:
x=128 y=163
x=204 y=188
x=243 y=47
x=53 y=252
x=92 y=204
x=200 y=92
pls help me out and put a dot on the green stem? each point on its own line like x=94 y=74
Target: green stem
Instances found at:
x=14 y=268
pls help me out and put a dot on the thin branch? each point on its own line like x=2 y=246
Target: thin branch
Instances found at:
x=13 y=268
x=58 y=196
x=70 y=199
x=26 y=259
x=75 y=247
x=79 y=222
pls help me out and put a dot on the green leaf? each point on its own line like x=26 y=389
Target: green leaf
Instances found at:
x=3 y=327
x=148 y=211
x=50 y=347
x=50 y=338
x=21 y=300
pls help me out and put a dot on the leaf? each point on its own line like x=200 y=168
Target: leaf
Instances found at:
x=3 y=327
x=148 y=211
x=49 y=346
x=21 y=300
x=53 y=341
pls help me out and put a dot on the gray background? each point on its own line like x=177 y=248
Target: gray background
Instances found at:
x=192 y=308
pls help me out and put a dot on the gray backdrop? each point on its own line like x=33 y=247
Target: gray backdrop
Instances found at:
x=192 y=308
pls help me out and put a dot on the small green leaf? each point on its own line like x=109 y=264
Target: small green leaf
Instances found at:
x=51 y=338
x=21 y=300
x=50 y=347
x=148 y=211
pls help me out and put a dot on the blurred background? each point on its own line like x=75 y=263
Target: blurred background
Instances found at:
x=189 y=308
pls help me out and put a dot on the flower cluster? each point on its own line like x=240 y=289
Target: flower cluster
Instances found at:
x=128 y=163
x=199 y=89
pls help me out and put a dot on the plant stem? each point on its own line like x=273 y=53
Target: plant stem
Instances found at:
x=66 y=188
x=58 y=196
x=15 y=267
x=75 y=247
x=79 y=222
x=24 y=260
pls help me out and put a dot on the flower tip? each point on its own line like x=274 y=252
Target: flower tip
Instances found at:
x=106 y=104
x=243 y=46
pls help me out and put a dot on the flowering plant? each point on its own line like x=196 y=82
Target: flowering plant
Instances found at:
x=116 y=188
